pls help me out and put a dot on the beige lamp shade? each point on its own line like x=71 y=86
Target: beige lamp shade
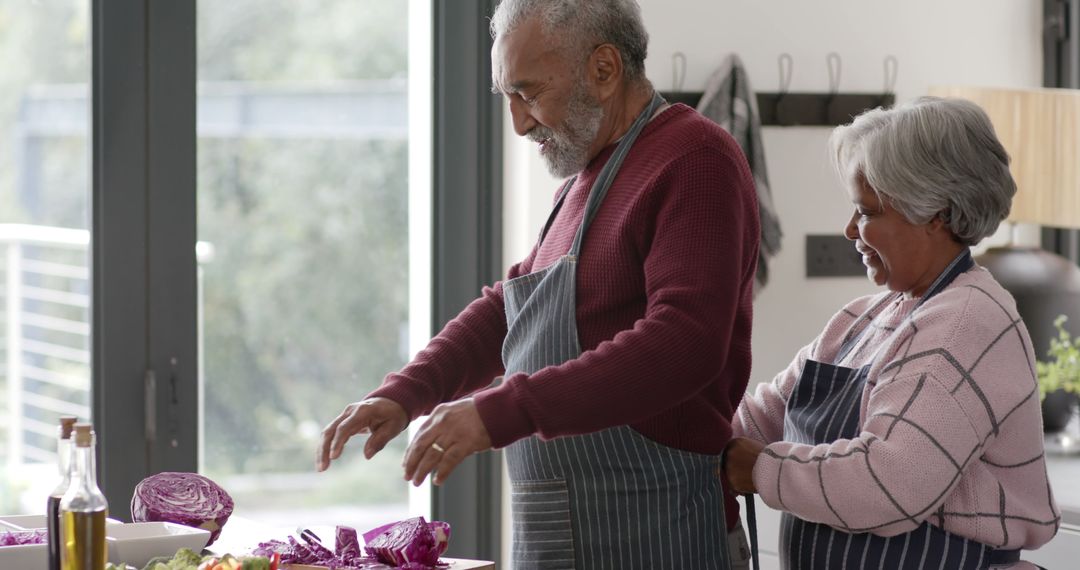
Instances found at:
x=1040 y=129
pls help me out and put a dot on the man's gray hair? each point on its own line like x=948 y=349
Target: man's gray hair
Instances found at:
x=932 y=157
x=581 y=25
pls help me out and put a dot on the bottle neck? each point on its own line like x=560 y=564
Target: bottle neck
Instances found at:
x=83 y=495
x=83 y=470
x=63 y=458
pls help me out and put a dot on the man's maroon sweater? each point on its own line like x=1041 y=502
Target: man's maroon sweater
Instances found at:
x=664 y=299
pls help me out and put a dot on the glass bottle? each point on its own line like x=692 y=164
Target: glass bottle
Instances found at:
x=63 y=461
x=83 y=510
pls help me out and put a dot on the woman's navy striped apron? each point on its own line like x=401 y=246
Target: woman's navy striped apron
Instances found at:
x=611 y=499
x=824 y=407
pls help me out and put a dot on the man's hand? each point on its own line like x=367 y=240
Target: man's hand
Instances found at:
x=739 y=459
x=451 y=433
x=381 y=417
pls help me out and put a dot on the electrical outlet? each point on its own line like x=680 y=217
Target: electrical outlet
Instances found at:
x=832 y=256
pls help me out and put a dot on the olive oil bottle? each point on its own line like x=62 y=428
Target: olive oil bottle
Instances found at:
x=83 y=510
x=63 y=455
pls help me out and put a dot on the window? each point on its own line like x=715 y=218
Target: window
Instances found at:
x=304 y=202
x=44 y=238
x=309 y=126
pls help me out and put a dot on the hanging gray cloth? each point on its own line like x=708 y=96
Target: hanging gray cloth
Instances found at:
x=730 y=102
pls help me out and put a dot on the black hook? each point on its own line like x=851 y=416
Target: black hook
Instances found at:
x=835 y=65
x=678 y=71
x=786 y=66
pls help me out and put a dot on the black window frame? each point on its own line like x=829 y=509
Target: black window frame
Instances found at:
x=144 y=388
x=1061 y=69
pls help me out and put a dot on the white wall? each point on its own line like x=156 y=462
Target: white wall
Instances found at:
x=973 y=42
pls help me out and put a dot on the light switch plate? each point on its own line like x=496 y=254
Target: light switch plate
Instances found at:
x=832 y=255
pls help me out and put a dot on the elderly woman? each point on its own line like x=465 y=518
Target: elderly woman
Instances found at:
x=908 y=433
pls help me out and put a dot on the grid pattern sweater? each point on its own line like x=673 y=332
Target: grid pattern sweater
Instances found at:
x=951 y=427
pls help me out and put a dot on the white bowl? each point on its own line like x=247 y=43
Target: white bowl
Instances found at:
x=137 y=543
x=25 y=557
x=28 y=556
x=30 y=522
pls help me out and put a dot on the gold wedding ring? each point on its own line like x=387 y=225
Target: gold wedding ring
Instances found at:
x=437 y=447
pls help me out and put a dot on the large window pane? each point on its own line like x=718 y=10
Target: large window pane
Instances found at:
x=304 y=201
x=44 y=239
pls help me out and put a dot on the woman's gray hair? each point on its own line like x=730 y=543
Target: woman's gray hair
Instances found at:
x=932 y=157
x=581 y=25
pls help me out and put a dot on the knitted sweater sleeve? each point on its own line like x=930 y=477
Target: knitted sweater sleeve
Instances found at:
x=464 y=357
x=697 y=224
x=761 y=415
x=918 y=434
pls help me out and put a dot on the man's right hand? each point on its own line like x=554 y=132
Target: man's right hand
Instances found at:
x=381 y=417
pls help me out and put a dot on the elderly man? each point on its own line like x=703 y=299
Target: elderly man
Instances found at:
x=623 y=338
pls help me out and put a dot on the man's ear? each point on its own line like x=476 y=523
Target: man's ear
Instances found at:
x=606 y=70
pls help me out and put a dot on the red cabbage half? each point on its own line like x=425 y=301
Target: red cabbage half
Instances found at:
x=413 y=542
x=183 y=498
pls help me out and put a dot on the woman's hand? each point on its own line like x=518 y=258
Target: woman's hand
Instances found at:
x=739 y=458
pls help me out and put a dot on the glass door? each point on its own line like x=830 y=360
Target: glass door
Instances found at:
x=304 y=224
x=44 y=239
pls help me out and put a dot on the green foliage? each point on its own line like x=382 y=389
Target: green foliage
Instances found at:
x=306 y=296
x=290 y=40
x=1062 y=372
x=306 y=299
x=43 y=43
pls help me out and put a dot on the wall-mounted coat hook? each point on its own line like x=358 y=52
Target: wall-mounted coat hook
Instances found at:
x=678 y=78
x=821 y=109
x=787 y=109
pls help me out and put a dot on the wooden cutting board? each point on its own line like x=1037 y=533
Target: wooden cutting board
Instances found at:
x=455 y=564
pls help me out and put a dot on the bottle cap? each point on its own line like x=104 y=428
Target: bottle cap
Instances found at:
x=84 y=435
x=67 y=425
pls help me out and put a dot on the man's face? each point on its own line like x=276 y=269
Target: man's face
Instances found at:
x=549 y=97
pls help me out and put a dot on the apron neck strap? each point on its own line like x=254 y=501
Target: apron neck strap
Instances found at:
x=555 y=209
x=607 y=174
x=960 y=264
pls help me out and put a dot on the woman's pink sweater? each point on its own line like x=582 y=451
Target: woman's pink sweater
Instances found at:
x=950 y=424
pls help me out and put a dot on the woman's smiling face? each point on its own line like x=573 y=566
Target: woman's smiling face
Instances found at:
x=897 y=253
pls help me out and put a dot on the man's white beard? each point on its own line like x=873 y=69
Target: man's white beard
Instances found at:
x=566 y=151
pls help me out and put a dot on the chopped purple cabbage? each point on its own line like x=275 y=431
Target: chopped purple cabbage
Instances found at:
x=411 y=541
x=428 y=542
x=346 y=544
x=23 y=537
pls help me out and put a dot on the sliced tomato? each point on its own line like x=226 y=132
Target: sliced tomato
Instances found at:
x=275 y=559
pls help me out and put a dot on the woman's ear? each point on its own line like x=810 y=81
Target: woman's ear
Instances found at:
x=939 y=223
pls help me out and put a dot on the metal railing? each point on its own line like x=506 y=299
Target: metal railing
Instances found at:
x=46 y=324
x=46 y=300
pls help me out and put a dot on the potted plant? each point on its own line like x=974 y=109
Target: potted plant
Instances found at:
x=1059 y=378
